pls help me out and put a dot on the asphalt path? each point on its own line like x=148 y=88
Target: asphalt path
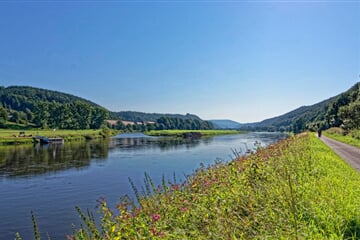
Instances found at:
x=349 y=153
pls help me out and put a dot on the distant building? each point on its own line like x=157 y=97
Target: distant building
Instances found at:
x=125 y=123
x=111 y=122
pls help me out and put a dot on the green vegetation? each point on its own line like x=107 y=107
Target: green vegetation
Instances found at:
x=165 y=123
x=21 y=107
x=148 y=117
x=352 y=137
x=8 y=136
x=48 y=109
x=180 y=133
x=295 y=189
x=342 y=110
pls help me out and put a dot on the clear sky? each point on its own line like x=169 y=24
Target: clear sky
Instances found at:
x=240 y=60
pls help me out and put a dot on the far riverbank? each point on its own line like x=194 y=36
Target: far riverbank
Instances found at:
x=190 y=133
x=9 y=136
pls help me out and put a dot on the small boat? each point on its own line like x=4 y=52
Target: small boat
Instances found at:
x=46 y=140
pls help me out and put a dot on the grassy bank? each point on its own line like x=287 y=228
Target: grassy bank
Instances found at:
x=351 y=138
x=179 y=133
x=25 y=136
x=296 y=189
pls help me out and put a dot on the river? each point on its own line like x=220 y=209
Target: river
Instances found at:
x=51 y=180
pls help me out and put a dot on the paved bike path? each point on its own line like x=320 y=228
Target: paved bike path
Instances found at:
x=349 y=153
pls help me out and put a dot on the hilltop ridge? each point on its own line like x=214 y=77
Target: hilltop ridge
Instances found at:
x=47 y=108
x=340 y=110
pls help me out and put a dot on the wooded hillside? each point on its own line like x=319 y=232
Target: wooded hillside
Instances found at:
x=48 y=109
x=342 y=110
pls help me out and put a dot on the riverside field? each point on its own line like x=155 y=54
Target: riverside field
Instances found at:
x=9 y=136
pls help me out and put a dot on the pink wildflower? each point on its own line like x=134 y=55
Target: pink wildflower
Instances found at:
x=184 y=209
x=155 y=217
x=175 y=187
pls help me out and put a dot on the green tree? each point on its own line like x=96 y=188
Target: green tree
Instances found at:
x=15 y=117
x=350 y=115
x=42 y=114
x=3 y=114
x=299 y=125
x=98 y=116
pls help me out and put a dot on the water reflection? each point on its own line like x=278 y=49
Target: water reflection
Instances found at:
x=164 y=144
x=37 y=159
x=46 y=180
x=25 y=160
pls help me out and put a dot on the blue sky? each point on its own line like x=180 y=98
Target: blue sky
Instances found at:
x=240 y=60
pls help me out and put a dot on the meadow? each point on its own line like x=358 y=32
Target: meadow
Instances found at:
x=9 y=136
x=295 y=189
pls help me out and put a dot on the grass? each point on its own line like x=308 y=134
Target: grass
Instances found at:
x=179 y=133
x=351 y=138
x=8 y=136
x=295 y=189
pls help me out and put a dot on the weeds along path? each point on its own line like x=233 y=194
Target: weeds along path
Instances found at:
x=349 y=153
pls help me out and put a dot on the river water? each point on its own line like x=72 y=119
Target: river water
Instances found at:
x=51 y=180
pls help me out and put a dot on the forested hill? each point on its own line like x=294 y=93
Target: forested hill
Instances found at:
x=226 y=124
x=342 y=110
x=306 y=114
x=48 y=109
x=22 y=97
x=148 y=117
x=36 y=107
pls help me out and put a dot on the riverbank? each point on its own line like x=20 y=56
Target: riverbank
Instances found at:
x=297 y=188
x=181 y=133
x=8 y=137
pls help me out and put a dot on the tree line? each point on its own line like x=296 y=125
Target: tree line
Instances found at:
x=165 y=123
x=48 y=109
x=343 y=111
x=76 y=115
x=339 y=111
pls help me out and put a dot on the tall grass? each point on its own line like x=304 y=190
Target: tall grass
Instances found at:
x=295 y=189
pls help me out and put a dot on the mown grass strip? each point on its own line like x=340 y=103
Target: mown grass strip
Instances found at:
x=295 y=189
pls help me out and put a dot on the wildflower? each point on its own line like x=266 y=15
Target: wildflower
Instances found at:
x=155 y=217
x=208 y=183
x=175 y=187
x=184 y=209
x=156 y=233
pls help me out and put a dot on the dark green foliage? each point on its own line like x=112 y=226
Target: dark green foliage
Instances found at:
x=166 y=123
x=345 y=110
x=3 y=114
x=156 y=121
x=342 y=110
x=179 y=123
x=350 y=115
x=302 y=117
x=51 y=109
x=147 y=117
